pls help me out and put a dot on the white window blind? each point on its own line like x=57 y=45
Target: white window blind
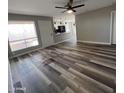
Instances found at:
x=22 y=34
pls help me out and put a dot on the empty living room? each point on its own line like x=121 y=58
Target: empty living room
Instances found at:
x=62 y=46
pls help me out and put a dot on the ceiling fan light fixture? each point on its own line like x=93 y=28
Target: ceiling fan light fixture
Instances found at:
x=70 y=8
x=69 y=11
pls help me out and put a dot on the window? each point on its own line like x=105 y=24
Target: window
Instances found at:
x=22 y=34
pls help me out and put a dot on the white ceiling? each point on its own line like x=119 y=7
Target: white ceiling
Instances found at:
x=46 y=7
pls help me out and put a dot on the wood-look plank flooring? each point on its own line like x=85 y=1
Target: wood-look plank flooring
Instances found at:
x=66 y=68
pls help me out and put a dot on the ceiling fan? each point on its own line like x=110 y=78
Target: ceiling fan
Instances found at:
x=69 y=7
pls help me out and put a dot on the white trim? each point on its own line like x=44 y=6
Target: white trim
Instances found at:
x=110 y=28
x=92 y=42
x=111 y=25
x=17 y=55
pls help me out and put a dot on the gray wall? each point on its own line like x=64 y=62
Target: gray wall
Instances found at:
x=32 y=18
x=94 y=25
x=10 y=82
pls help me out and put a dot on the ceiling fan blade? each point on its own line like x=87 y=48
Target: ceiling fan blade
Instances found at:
x=61 y=7
x=78 y=6
x=74 y=10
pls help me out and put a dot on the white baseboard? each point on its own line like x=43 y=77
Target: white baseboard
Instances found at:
x=92 y=42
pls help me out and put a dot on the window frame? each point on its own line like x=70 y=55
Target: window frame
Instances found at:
x=26 y=48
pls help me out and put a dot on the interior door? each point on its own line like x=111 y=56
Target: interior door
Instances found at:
x=46 y=32
x=114 y=28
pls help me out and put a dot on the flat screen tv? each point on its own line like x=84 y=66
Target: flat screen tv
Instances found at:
x=61 y=29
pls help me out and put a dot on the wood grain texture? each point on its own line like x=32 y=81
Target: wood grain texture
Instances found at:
x=67 y=68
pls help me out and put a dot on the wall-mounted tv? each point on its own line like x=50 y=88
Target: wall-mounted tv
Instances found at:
x=60 y=29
